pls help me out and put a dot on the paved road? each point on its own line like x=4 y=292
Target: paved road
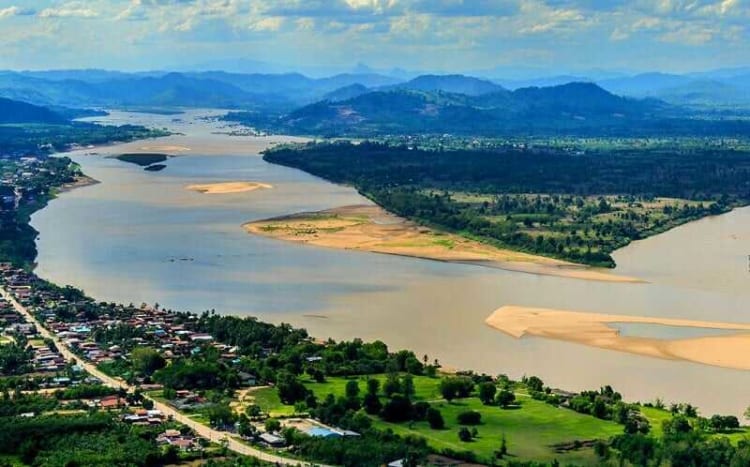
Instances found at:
x=232 y=443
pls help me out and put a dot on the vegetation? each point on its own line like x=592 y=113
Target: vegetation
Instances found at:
x=595 y=203
x=144 y=159
x=573 y=109
x=81 y=439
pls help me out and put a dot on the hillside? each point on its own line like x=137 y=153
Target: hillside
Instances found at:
x=20 y=112
x=571 y=109
x=455 y=84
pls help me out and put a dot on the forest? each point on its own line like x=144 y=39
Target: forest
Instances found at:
x=578 y=206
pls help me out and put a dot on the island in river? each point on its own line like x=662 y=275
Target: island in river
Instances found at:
x=371 y=228
x=223 y=188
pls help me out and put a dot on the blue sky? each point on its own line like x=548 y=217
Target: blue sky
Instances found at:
x=553 y=36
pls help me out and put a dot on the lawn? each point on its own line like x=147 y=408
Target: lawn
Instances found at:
x=530 y=430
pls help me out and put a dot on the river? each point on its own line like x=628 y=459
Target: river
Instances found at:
x=141 y=237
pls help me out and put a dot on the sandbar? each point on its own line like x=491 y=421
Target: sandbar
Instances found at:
x=729 y=351
x=222 y=188
x=370 y=228
x=165 y=148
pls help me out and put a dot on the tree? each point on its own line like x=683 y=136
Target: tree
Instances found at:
x=397 y=409
x=456 y=387
x=372 y=404
x=505 y=398
x=221 y=415
x=487 y=392
x=469 y=417
x=435 y=419
x=146 y=360
x=464 y=434
x=272 y=425
x=253 y=410
x=392 y=385
x=373 y=385
x=407 y=386
x=290 y=389
x=352 y=389
x=534 y=383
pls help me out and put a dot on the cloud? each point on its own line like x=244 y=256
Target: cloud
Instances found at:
x=15 y=11
x=466 y=7
x=69 y=10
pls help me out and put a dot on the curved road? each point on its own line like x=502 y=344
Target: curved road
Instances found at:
x=232 y=443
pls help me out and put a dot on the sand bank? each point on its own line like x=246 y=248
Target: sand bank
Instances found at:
x=227 y=187
x=592 y=329
x=80 y=182
x=370 y=228
x=165 y=148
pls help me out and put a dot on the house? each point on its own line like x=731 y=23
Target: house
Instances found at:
x=111 y=402
x=272 y=440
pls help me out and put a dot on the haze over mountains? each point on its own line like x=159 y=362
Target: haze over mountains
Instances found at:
x=287 y=91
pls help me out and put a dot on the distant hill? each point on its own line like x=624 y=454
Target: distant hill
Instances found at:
x=718 y=89
x=573 y=107
x=20 y=112
x=456 y=84
x=645 y=84
x=98 y=88
x=346 y=93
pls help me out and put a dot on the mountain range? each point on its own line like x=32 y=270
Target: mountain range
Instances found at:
x=288 y=91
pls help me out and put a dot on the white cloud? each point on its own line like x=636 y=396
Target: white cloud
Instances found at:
x=69 y=10
x=10 y=11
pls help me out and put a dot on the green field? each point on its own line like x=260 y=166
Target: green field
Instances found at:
x=530 y=430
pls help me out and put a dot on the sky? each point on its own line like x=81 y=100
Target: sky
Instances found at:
x=482 y=36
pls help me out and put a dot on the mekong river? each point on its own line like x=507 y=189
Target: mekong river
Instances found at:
x=141 y=237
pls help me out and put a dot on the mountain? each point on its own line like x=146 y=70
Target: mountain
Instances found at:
x=541 y=81
x=172 y=89
x=21 y=112
x=573 y=107
x=581 y=100
x=706 y=93
x=456 y=84
x=646 y=84
x=346 y=93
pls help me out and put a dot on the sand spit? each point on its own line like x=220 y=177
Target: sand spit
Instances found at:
x=223 y=188
x=371 y=228
x=592 y=329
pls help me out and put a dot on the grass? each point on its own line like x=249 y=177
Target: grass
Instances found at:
x=657 y=417
x=530 y=430
x=268 y=400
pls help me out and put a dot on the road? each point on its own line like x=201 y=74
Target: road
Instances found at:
x=203 y=431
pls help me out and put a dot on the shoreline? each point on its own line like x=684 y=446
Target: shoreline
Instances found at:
x=80 y=182
x=372 y=229
x=593 y=329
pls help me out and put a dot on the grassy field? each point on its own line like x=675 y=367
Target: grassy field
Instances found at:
x=530 y=430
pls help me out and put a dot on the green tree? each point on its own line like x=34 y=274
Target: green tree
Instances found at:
x=487 y=392
x=352 y=389
x=146 y=360
x=272 y=425
x=435 y=419
x=505 y=398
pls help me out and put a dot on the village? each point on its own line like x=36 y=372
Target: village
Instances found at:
x=103 y=336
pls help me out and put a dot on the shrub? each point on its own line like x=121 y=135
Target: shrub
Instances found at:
x=470 y=417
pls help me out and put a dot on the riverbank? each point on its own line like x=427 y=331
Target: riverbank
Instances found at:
x=371 y=228
x=596 y=330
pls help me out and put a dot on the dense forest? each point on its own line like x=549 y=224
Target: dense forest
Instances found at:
x=578 y=206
